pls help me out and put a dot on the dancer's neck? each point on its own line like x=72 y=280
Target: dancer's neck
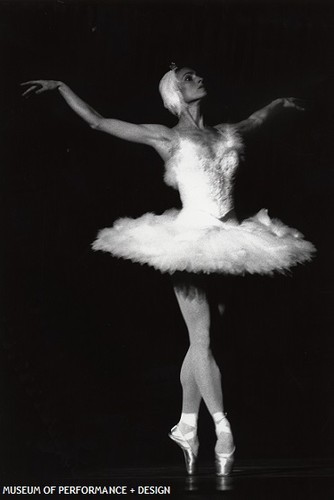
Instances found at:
x=192 y=116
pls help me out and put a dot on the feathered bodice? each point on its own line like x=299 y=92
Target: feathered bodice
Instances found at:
x=203 y=170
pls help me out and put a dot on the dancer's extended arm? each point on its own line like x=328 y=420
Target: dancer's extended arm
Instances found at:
x=146 y=134
x=260 y=117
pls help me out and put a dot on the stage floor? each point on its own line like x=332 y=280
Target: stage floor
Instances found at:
x=260 y=479
x=251 y=479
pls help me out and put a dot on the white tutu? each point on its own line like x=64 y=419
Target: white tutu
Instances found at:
x=195 y=239
x=197 y=242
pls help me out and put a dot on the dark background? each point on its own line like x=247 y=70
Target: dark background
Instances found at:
x=91 y=347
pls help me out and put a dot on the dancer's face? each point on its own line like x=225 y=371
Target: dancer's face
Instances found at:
x=190 y=84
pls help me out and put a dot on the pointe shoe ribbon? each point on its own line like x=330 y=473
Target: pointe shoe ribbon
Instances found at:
x=178 y=436
x=223 y=426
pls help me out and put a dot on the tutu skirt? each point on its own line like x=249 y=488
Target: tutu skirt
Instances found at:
x=197 y=242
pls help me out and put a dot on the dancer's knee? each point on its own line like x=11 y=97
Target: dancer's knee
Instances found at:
x=200 y=349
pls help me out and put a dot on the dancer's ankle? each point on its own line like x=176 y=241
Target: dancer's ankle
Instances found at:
x=221 y=423
x=225 y=443
x=188 y=423
x=189 y=418
x=186 y=429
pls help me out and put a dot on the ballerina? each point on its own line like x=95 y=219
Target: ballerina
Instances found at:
x=201 y=239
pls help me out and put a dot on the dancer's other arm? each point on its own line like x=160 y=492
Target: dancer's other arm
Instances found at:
x=260 y=117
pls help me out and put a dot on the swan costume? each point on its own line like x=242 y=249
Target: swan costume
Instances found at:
x=202 y=237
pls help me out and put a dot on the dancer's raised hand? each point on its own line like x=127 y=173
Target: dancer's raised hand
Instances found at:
x=39 y=86
x=294 y=102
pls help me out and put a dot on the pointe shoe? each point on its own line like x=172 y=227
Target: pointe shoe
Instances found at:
x=181 y=440
x=224 y=461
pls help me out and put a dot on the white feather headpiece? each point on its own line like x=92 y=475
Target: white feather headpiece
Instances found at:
x=170 y=92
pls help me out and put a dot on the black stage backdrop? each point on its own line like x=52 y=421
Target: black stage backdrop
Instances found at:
x=91 y=347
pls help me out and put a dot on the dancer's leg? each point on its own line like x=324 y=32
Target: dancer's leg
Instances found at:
x=191 y=400
x=201 y=367
x=185 y=432
x=196 y=313
x=191 y=396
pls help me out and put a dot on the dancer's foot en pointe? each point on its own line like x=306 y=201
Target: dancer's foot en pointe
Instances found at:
x=224 y=449
x=185 y=436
